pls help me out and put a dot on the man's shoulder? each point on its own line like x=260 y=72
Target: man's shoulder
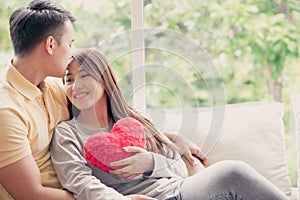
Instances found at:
x=56 y=87
x=11 y=105
x=8 y=95
x=54 y=82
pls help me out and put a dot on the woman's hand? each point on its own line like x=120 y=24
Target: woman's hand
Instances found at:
x=140 y=197
x=140 y=162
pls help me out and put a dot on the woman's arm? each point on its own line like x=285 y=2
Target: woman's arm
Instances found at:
x=167 y=167
x=162 y=165
x=151 y=165
x=72 y=171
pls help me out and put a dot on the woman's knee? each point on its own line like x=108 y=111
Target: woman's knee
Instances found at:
x=234 y=170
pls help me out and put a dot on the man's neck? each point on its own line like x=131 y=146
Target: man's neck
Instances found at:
x=30 y=68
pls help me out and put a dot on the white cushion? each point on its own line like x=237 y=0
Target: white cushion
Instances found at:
x=251 y=132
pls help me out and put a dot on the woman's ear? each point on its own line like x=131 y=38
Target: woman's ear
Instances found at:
x=50 y=45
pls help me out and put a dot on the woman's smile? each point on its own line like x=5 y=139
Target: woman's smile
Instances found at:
x=80 y=95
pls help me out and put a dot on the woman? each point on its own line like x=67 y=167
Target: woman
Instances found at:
x=92 y=88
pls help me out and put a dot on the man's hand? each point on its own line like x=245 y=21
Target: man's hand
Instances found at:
x=193 y=169
x=188 y=149
x=140 y=197
x=193 y=154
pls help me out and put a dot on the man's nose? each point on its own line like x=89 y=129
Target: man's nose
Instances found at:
x=77 y=84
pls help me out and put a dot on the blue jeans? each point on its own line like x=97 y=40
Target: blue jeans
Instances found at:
x=229 y=180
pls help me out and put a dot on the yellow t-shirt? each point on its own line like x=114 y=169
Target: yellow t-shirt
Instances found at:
x=28 y=116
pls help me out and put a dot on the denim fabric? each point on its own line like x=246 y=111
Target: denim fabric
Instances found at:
x=229 y=180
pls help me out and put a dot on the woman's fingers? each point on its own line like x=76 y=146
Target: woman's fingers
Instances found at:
x=127 y=161
x=120 y=163
x=133 y=149
x=123 y=174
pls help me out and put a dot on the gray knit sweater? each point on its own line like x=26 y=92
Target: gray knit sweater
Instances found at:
x=89 y=183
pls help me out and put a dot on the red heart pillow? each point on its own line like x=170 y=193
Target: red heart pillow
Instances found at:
x=106 y=147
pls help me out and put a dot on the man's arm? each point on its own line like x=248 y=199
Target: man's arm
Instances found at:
x=22 y=180
x=187 y=149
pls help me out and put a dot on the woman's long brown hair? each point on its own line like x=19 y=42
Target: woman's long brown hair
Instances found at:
x=94 y=63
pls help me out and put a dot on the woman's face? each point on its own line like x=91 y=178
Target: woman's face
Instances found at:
x=81 y=88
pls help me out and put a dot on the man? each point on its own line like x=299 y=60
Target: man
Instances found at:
x=42 y=35
x=30 y=107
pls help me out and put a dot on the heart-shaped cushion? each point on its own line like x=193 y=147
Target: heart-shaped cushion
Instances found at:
x=106 y=147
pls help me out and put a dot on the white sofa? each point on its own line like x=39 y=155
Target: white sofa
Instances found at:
x=296 y=112
x=252 y=132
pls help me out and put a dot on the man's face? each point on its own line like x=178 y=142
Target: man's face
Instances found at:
x=63 y=51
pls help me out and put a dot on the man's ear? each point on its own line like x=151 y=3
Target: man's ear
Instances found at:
x=50 y=45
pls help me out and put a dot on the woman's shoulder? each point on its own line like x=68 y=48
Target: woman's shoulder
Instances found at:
x=65 y=127
x=66 y=123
